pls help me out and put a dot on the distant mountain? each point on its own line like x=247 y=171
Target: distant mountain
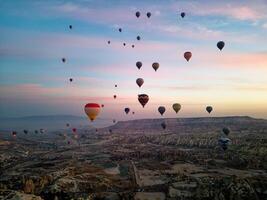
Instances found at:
x=190 y=125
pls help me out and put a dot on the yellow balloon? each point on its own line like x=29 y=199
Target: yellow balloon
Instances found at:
x=92 y=110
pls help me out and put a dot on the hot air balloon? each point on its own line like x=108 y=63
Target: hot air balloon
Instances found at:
x=108 y=42
x=183 y=14
x=36 y=131
x=138 y=37
x=126 y=110
x=163 y=125
x=155 y=66
x=14 y=133
x=70 y=26
x=114 y=121
x=132 y=46
x=102 y=105
x=63 y=59
x=116 y=85
x=74 y=130
x=67 y=124
x=148 y=14
x=137 y=14
x=133 y=113
x=124 y=44
x=176 y=107
x=120 y=29
x=161 y=110
x=226 y=130
x=25 y=132
x=209 y=109
x=187 y=55
x=92 y=110
x=220 y=45
x=138 y=64
x=114 y=96
x=139 y=82
x=143 y=99
x=71 y=79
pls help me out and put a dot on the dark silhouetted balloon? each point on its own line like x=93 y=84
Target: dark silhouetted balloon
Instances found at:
x=163 y=125
x=114 y=96
x=132 y=46
x=187 y=55
x=133 y=113
x=25 y=131
x=14 y=133
x=63 y=59
x=108 y=42
x=209 y=109
x=35 y=131
x=155 y=66
x=71 y=79
x=114 y=121
x=183 y=14
x=137 y=14
x=138 y=64
x=124 y=44
x=220 y=45
x=126 y=110
x=143 y=99
x=74 y=130
x=226 y=130
x=102 y=105
x=161 y=110
x=138 y=38
x=139 y=82
x=70 y=26
x=116 y=86
x=148 y=14
x=176 y=107
x=120 y=29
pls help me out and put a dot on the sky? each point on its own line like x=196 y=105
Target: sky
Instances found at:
x=35 y=36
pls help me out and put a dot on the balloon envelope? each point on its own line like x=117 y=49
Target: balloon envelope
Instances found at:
x=209 y=109
x=138 y=64
x=143 y=99
x=139 y=82
x=220 y=45
x=187 y=55
x=155 y=66
x=137 y=14
x=226 y=130
x=126 y=110
x=148 y=14
x=183 y=14
x=138 y=38
x=161 y=110
x=92 y=110
x=176 y=107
